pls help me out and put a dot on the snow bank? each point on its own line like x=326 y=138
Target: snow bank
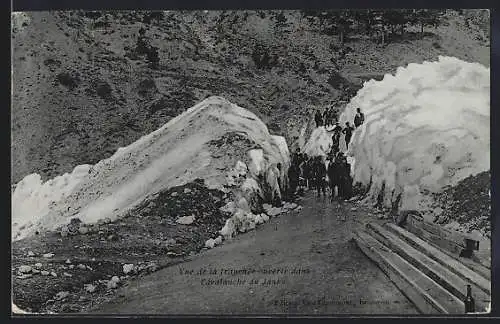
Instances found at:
x=425 y=127
x=18 y=18
x=175 y=154
x=17 y=310
x=319 y=143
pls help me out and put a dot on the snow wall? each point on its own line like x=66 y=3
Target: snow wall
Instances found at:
x=177 y=153
x=426 y=127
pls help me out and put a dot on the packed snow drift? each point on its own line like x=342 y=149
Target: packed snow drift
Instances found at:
x=319 y=143
x=195 y=144
x=426 y=127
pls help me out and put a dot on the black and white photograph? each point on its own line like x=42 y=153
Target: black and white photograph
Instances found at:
x=312 y=162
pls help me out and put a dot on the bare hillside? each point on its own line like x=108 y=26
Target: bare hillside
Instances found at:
x=85 y=84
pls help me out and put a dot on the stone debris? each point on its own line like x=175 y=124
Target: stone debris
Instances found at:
x=64 y=231
x=71 y=266
x=53 y=274
x=83 y=230
x=25 y=269
x=210 y=243
x=24 y=275
x=187 y=190
x=31 y=254
x=44 y=273
x=113 y=282
x=112 y=285
x=468 y=204
x=61 y=295
x=68 y=261
x=90 y=288
x=81 y=266
x=185 y=220
x=128 y=268
x=112 y=237
x=289 y=205
x=274 y=211
x=48 y=255
x=170 y=242
x=67 y=274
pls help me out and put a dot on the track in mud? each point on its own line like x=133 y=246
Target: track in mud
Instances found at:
x=302 y=262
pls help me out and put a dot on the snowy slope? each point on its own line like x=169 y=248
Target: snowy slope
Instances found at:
x=319 y=143
x=426 y=127
x=176 y=153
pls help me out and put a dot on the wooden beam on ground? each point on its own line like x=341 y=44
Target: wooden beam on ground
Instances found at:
x=426 y=294
x=441 y=275
x=455 y=242
x=452 y=264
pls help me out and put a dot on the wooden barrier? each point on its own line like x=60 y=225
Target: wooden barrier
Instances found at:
x=456 y=243
x=427 y=295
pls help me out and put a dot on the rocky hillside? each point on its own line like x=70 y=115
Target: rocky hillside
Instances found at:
x=85 y=84
x=468 y=204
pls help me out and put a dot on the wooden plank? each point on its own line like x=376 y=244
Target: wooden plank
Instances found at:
x=426 y=295
x=447 y=279
x=432 y=240
x=484 y=261
x=466 y=242
x=416 y=227
x=452 y=264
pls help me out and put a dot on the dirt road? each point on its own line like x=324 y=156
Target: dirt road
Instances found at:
x=317 y=270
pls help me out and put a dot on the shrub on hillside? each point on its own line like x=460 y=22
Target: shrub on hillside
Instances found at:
x=262 y=57
x=68 y=80
x=146 y=87
x=103 y=90
x=143 y=47
x=150 y=16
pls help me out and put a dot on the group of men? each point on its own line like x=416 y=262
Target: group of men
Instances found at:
x=316 y=173
x=347 y=131
x=328 y=118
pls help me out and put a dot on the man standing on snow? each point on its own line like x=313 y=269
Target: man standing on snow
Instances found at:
x=296 y=156
x=359 y=118
x=293 y=179
x=310 y=173
x=272 y=179
x=347 y=181
x=333 y=117
x=306 y=171
x=318 y=118
x=325 y=117
x=283 y=180
x=348 y=134
x=332 y=176
x=340 y=171
x=319 y=176
x=336 y=143
x=338 y=128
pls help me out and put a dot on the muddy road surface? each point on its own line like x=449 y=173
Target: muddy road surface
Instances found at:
x=301 y=262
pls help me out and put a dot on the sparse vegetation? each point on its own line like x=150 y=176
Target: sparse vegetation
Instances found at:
x=69 y=80
x=300 y=59
x=103 y=90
